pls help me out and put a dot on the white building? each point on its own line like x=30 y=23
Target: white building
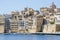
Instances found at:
x=57 y=18
x=57 y=21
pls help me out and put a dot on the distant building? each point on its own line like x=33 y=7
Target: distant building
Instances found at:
x=14 y=22
x=47 y=10
x=32 y=20
x=2 y=24
x=26 y=21
x=50 y=26
x=7 y=24
x=50 y=15
x=57 y=21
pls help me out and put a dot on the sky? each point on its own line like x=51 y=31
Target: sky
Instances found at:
x=6 y=6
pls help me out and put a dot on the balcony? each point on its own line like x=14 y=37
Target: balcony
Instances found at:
x=2 y=22
x=57 y=22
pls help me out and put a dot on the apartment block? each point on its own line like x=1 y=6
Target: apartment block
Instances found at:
x=14 y=22
x=26 y=21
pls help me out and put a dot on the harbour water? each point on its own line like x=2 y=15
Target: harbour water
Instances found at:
x=29 y=37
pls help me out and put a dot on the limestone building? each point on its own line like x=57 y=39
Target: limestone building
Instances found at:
x=26 y=21
x=57 y=21
x=51 y=15
x=14 y=22
x=33 y=22
x=2 y=24
x=48 y=13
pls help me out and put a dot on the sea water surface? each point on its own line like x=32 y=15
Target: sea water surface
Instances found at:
x=29 y=37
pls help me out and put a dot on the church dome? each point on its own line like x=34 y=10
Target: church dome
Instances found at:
x=53 y=5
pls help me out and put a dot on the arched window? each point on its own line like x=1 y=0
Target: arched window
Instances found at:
x=15 y=17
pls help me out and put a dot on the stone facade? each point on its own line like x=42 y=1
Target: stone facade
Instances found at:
x=14 y=22
x=32 y=21
x=25 y=21
x=50 y=15
x=2 y=23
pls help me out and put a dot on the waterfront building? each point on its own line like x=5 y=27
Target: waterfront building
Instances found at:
x=14 y=22
x=49 y=17
x=33 y=20
x=26 y=21
x=34 y=23
x=7 y=24
x=50 y=26
x=2 y=23
x=57 y=21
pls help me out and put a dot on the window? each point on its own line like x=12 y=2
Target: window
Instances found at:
x=59 y=16
x=55 y=18
x=21 y=23
x=51 y=18
x=20 y=16
x=15 y=17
